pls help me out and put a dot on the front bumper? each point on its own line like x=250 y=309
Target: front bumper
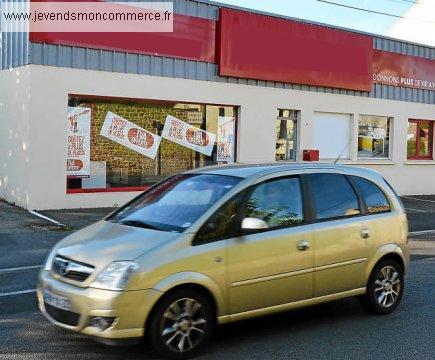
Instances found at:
x=129 y=308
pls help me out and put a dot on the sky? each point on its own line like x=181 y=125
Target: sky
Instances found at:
x=417 y=24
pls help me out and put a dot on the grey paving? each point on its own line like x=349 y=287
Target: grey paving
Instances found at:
x=78 y=218
x=24 y=238
x=338 y=330
x=420 y=210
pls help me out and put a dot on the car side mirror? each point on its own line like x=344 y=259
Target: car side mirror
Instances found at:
x=252 y=224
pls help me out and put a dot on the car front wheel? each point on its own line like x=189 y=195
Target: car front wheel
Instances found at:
x=181 y=324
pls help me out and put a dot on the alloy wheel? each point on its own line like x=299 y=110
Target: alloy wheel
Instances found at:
x=183 y=325
x=387 y=286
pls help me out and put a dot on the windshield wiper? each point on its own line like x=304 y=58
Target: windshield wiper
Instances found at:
x=138 y=223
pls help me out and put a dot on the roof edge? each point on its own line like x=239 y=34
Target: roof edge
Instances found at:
x=265 y=13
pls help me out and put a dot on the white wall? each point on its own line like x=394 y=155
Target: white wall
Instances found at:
x=15 y=135
x=256 y=142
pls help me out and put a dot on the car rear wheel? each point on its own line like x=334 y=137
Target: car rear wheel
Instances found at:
x=181 y=324
x=384 y=288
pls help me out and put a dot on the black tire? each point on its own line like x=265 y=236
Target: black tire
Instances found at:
x=381 y=297
x=181 y=325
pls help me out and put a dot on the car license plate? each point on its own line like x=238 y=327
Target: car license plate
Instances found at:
x=57 y=301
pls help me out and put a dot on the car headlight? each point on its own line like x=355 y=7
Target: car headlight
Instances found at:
x=115 y=276
x=49 y=261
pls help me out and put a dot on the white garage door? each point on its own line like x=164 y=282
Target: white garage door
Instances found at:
x=331 y=134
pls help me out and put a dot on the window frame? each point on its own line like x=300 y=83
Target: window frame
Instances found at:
x=233 y=232
x=417 y=140
x=74 y=97
x=296 y=121
x=365 y=211
x=245 y=197
x=390 y=125
x=362 y=207
x=308 y=206
x=252 y=188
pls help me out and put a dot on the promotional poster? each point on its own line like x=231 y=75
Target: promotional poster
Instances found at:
x=78 y=139
x=225 y=140
x=189 y=136
x=130 y=135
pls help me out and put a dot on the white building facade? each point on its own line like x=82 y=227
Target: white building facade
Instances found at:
x=388 y=128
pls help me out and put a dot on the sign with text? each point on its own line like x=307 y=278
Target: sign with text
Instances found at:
x=189 y=136
x=403 y=70
x=225 y=139
x=194 y=118
x=130 y=135
x=79 y=139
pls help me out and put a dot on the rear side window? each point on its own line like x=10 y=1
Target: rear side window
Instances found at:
x=334 y=196
x=374 y=198
x=399 y=199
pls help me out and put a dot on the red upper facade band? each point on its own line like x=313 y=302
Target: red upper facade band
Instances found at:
x=268 y=48
x=193 y=38
x=403 y=70
x=255 y=46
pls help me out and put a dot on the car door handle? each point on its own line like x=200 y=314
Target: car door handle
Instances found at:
x=303 y=245
x=365 y=233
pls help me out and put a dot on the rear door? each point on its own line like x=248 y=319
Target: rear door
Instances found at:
x=383 y=226
x=340 y=234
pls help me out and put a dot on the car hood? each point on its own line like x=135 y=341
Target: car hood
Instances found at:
x=104 y=242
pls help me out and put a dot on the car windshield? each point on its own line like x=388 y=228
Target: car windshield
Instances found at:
x=176 y=203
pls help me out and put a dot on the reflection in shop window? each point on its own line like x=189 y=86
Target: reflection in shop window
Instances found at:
x=134 y=144
x=420 y=139
x=374 y=136
x=286 y=135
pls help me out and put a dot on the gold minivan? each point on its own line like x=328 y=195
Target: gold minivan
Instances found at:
x=226 y=243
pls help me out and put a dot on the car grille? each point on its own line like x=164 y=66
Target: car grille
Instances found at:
x=71 y=269
x=62 y=316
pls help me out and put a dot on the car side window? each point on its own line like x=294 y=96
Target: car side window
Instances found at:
x=223 y=224
x=373 y=196
x=277 y=202
x=333 y=195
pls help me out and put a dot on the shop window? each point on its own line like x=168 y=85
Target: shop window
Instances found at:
x=120 y=145
x=374 y=136
x=420 y=139
x=286 y=135
x=331 y=135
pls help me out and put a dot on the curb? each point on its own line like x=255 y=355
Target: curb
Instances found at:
x=422 y=247
x=423 y=232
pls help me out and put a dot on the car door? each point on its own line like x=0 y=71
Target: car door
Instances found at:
x=341 y=244
x=272 y=266
x=381 y=223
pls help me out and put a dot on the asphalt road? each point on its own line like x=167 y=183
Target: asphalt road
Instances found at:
x=338 y=330
x=420 y=211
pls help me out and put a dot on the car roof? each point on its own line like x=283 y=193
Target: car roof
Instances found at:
x=259 y=169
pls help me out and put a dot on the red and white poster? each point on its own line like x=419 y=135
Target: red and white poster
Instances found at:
x=79 y=142
x=130 y=135
x=189 y=136
x=225 y=139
